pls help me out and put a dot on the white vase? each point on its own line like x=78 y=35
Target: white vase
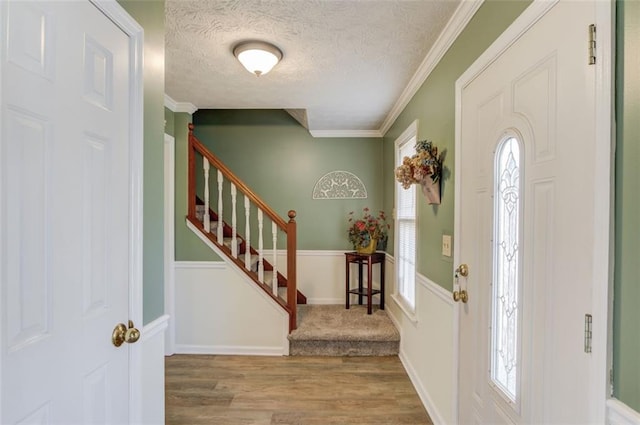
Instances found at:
x=431 y=190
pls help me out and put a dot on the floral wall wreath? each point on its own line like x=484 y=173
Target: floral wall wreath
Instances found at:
x=424 y=168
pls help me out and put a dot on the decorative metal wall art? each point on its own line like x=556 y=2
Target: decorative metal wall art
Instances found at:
x=339 y=185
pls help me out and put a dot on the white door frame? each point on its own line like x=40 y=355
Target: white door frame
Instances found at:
x=169 y=241
x=602 y=296
x=134 y=31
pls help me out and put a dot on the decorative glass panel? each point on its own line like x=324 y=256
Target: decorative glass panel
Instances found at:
x=506 y=269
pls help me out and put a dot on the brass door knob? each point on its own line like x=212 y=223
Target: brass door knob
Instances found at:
x=122 y=334
x=464 y=296
x=132 y=334
x=461 y=295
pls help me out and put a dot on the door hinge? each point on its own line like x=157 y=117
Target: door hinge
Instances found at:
x=587 y=333
x=592 y=44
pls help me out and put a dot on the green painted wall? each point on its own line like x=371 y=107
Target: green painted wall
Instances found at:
x=169 y=122
x=626 y=325
x=150 y=15
x=281 y=162
x=434 y=106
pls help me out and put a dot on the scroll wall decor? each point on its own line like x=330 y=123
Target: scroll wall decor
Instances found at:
x=339 y=185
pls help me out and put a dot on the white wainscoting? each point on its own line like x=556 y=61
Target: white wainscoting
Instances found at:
x=427 y=344
x=321 y=275
x=217 y=311
x=619 y=413
x=148 y=359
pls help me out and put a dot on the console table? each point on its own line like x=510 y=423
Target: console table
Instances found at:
x=368 y=291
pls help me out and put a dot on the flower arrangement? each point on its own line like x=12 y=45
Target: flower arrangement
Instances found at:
x=363 y=230
x=424 y=163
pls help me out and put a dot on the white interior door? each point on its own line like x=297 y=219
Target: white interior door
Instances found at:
x=526 y=226
x=65 y=213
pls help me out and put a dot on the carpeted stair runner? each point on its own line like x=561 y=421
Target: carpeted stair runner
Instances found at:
x=332 y=330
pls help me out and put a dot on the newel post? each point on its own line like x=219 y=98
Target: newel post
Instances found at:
x=292 y=292
x=191 y=191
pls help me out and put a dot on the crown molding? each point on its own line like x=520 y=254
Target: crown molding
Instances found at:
x=299 y=115
x=452 y=30
x=346 y=133
x=174 y=106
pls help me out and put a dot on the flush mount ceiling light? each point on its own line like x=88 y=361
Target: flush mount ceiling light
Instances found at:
x=258 y=57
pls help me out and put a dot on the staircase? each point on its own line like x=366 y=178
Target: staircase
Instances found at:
x=219 y=224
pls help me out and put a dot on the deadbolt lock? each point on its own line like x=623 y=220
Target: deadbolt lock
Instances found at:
x=462 y=270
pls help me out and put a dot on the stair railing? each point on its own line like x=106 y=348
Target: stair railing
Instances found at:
x=268 y=280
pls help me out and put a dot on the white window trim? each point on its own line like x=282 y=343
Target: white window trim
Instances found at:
x=410 y=132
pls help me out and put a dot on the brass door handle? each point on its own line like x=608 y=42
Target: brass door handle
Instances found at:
x=461 y=295
x=122 y=334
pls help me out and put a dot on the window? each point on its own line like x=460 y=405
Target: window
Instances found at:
x=505 y=335
x=405 y=225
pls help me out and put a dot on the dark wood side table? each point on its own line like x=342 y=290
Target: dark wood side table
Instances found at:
x=368 y=291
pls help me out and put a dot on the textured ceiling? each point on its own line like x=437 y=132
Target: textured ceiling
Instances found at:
x=346 y=62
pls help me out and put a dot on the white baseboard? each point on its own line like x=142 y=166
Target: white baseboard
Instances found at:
x=325 y=301
x=619 y=413
x=230 y=350
x=395 y=320
x=428 y=403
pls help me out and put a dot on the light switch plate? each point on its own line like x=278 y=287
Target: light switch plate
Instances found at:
x=446 y=245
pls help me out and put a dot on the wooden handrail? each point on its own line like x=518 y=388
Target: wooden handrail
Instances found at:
x=289 y=228
x=228 y=174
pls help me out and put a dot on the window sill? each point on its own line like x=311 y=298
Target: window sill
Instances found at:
x=410 y=313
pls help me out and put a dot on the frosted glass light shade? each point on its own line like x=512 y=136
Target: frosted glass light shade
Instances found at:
x=258 y=57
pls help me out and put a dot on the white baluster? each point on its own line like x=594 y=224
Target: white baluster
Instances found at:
x=234 y=224
x=220 y=222
x=274 y=235
x=207 y=219
x=247 y=234
x=260 y=257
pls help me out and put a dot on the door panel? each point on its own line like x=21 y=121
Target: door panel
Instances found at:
x=540 y=91
x=65 y=73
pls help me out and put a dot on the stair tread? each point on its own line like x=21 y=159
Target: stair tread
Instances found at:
x=227 y=241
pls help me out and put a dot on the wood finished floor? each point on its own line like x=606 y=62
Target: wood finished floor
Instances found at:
x=234 y=390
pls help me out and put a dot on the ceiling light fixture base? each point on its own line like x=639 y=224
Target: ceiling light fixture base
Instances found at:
x=258 y=57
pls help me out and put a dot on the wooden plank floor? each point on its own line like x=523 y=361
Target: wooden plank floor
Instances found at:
x=234 y=390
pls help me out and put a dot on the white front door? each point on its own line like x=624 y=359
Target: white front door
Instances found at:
x=526 y=231
x=65 y=213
